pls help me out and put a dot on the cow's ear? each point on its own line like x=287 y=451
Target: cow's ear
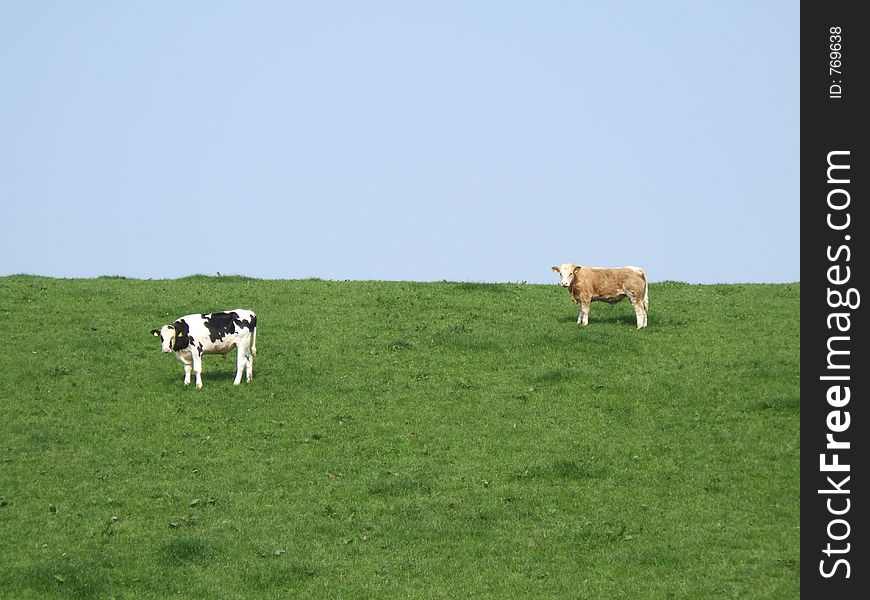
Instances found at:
x=554 y=269
x=155 y=332
x=577 y=269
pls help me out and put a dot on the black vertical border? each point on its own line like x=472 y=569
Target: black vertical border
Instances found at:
x=833 y=122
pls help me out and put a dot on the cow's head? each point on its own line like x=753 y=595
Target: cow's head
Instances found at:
x=166 y=335
x=566 y=274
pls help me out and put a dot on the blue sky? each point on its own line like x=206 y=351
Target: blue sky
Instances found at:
x=469 y=141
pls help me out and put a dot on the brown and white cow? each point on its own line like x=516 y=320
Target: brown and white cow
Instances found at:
x=606 y=285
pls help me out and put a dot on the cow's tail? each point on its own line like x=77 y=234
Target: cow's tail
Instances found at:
x=645 y=292
x=254 y=338
x=642 y=273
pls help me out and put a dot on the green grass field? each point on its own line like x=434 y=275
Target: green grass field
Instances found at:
x=400 y=440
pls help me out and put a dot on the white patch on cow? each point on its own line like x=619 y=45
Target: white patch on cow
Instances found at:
x=166 y=333
x=566 y=274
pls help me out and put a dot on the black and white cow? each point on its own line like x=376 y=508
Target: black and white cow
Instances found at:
x=191 y=336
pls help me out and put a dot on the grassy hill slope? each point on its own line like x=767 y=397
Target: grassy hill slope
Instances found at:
x=400 y=439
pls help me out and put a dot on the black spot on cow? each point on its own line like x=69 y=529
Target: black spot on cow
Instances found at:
x=182 y=335
x=252 y=324
x=221 y=324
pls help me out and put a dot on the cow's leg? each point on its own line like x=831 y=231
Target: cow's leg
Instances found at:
x=639 y=311
x=249 y=364
x=583 y=319
x=188 y=365
x=197 y=367
x=641 y=315
x=240 y=364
